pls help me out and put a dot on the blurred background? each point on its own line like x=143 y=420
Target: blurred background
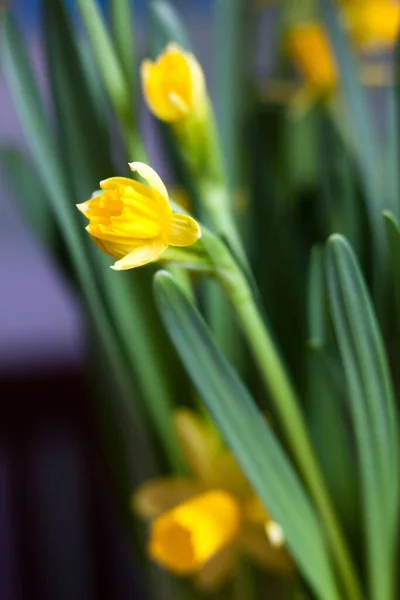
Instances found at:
x=60 y=536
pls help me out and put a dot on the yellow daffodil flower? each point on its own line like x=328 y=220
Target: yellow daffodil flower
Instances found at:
x=173 y=85
x=310 y=51
x=373 y=23
x=133 y=222
x=201 y=525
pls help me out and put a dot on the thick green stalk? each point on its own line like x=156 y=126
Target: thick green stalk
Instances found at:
x=285 y=399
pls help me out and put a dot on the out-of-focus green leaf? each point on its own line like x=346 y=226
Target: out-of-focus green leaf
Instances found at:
x=248 y=434
x=393 y=235
x=166 y=26
x=317 y=316
x=87 y=160
x=124 y=34
x=29 y=105
x=108 y=61
x=83 y=139
x=21 y=176
x=359 y=131
x=372 y=407
x=331 y=436
x=232 y=49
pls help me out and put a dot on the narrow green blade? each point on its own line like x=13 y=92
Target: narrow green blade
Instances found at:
x=317 y=315
x=327 y=419
x=124 y=39
x=87 y=160
x=231 y=67
x=393 y=235
x=247 y=432
x=29 y=106
x=358 y=123
x=20 y=175
x=372 y=407
x=166 y=26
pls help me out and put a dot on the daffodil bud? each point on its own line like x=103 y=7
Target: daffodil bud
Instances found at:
x=308 y=47
x=133 y=222
x=173 y=85
x=175 y=92
x=188 y=536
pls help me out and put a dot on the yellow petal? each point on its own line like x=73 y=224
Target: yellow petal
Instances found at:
x=218 y=570
x=184 y=539
x=254 y=542
x=113 y=182
x=183 y=231
x=152 y=178
x=199 y=443
x=161 y=495
x=112 y=249
x=141 y=255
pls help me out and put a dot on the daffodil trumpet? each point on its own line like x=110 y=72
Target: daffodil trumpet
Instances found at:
x=134 y=222
x=202 y=524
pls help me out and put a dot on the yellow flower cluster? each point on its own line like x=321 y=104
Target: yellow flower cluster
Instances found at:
x=200 y=525
x=370 y=23
x=133 y=222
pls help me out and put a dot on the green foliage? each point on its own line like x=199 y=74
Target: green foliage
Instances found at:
x=292 y=324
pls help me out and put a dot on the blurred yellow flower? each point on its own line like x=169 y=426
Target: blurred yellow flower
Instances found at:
x=200 y=525
x=188 y=536
x=133 y=222
x=373 y=22
x=173 y=85
x=310 y=51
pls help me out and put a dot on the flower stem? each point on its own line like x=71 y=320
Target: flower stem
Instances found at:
x=278 y=383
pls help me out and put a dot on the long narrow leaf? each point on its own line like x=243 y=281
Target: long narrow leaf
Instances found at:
x=248 y=434
x=358 y=122
x=85 y=145
x=29 y=106
x=124 y=38
x=372 y=405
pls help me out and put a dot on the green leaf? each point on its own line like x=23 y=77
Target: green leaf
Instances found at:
x=359 y=131
x=29 y=106
x=327 y=420
x=108 y=62
x=83 y=139
x=124 y=38
x=27 y=188
x=166 y=26
x=87 y=161
x=317 y=317
x=231 y=68
x=372 y=407
x=393 y=235
x=248 y=434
